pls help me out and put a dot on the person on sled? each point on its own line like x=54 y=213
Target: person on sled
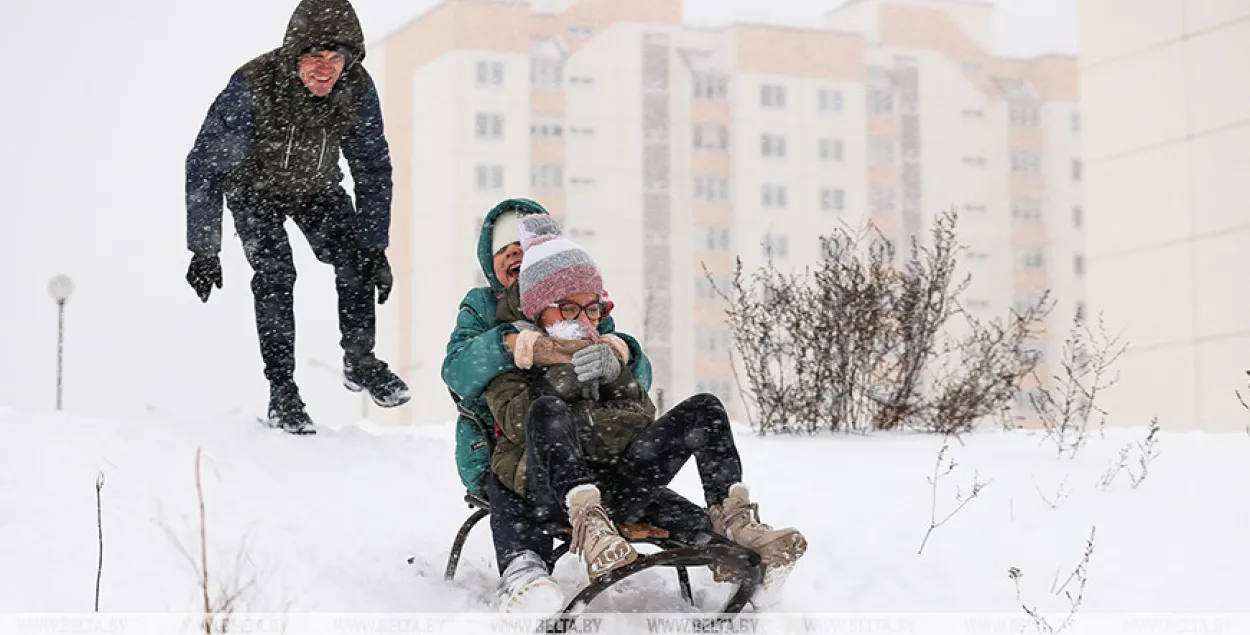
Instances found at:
x=583 y=439
x=481 y=348
x=270 y=145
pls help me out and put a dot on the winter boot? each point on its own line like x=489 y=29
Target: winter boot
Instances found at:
x=286 y=409
x=527 y=587
x=738 y=520
x=372 y=374
x=594 y=536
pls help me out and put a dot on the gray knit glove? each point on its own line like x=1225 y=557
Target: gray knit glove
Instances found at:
x=596 y=363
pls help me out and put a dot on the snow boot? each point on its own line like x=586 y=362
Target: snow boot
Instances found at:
x=287 y=410
x=373 y=375
x=737 y=519
x=527 y=587
x=595 y=538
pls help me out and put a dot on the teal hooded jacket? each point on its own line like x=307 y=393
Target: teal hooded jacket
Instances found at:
x=476 y=353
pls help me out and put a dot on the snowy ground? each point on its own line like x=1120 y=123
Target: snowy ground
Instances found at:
x=327 y=523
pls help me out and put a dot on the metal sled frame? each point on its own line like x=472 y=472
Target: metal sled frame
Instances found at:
x=673 y=553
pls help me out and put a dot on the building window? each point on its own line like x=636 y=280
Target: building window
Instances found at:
x=713 y=138
x=773 y=146
x=546 y=129
x=978 y=304
x=721 y=388
x=880 y=102
x=710 y=86
x=488 y=126
x=774 y=196
x=1026 y=208
x=1078 y=264
x=1078 y=217
x=583 y=180
x=546 y=73
x=776 y=246
x=829 y=100
x=584 y=132
x=1026 y=162
x=976 y=209
x=978 y=255
x=882 y=199
x=489 y=177
x=712 y=340
x=831 y=150
x=975 y=162
x=489 y=73
x=970 y=113
x=1077 y=168
x=712 y=239
x=832 y=199
x=881 y=151
x=1031 y=259
x=1080 y=311
x=705 y=289
x=1025 y=115
x=581 y=31
x=772 y=96
x=1076 y=122
x=547 y=177
x=581 y=80
x=711 y=189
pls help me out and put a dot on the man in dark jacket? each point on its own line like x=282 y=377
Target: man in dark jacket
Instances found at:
x=270 y=146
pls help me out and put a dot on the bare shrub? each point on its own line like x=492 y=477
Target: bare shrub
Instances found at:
x=858 y=343
x=1059 y=497
x=1067 y=405
x=1144 y=452
x=99 y=523
x=1080 y=575
x=224 y=599
x=977 y=486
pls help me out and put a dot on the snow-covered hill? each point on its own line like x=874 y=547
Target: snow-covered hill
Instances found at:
x=327 y=523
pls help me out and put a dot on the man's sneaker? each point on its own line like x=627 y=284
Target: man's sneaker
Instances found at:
x=286 y=409
x=527 y=587
x=373 y=375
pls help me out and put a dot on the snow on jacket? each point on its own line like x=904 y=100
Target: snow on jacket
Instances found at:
x=266 y=136
x=476 y=353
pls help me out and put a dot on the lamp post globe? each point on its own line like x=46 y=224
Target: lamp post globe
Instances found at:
x=60 y=288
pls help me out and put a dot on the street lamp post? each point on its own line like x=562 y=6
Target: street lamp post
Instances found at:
x=60 y=288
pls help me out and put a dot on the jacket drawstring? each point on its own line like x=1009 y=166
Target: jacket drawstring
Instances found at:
x=322 y=157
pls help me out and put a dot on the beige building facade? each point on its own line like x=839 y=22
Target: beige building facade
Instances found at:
x=669 y=150
x=1166 y=94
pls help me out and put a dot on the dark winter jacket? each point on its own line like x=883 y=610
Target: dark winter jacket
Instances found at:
x=267 y=136
x=605 y=426
x=476 y=353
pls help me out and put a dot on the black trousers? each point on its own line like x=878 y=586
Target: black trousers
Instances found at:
x=635 y=488
x=328 y=222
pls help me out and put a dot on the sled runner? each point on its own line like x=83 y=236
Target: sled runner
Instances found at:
x=708 y=550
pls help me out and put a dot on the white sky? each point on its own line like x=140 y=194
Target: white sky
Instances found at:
x=102 y=101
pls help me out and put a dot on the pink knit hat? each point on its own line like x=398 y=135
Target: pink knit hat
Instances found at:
x=552 y=267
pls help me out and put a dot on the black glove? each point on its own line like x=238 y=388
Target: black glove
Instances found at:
x=203 y=273
x=376 y=270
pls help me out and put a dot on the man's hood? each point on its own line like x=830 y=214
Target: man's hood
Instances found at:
x=317 y=22
x=485 y=255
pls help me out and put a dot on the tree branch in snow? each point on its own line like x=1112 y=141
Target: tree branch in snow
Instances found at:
x=1080 y=575
x=1144 y=452
x=220 y=607
x=1060 y=496
x=977 y=486
x=1067 y=405
x=99 y=523
x=861 y=342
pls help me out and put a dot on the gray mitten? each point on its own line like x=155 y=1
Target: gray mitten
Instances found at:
x=597 y=363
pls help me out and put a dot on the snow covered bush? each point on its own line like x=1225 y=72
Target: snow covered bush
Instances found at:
x=864 y=342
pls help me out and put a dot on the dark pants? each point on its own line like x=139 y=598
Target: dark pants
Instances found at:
x=635 y=488
x=328 y=222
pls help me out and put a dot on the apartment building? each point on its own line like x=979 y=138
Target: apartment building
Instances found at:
x=1167 y=108
x=669 y=151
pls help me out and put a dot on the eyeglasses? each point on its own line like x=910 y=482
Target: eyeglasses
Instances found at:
x=571 y=310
